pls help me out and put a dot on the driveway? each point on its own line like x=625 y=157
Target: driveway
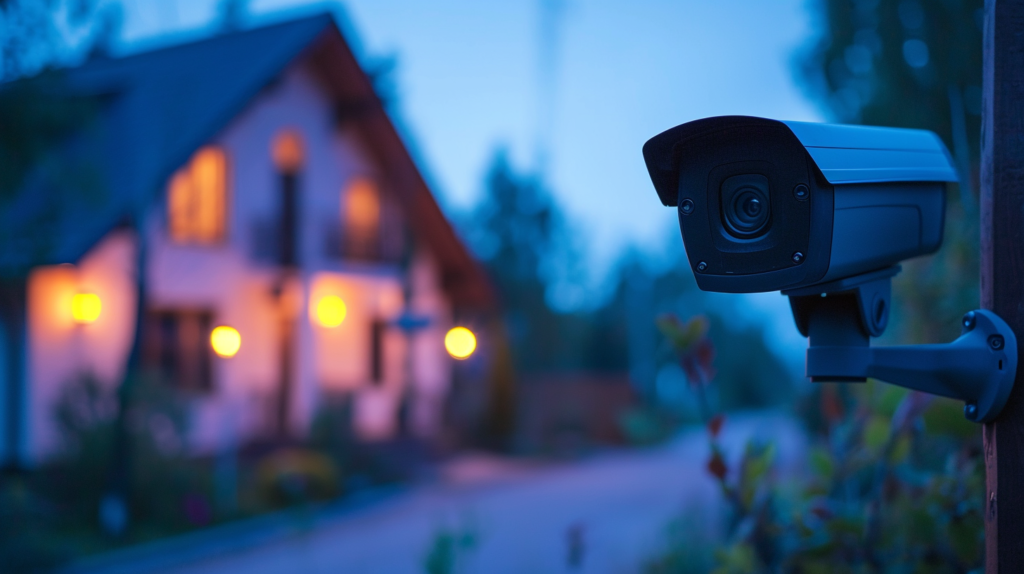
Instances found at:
x=605 y=514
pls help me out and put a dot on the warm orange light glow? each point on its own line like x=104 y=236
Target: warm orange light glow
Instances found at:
x=460 y=342
x=197 y=198
x=331 y=311
x=362 y=208
x=288 y=152
x=225 y=341
x=85 y=308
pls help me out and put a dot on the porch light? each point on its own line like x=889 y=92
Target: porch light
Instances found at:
x=331 y=311
x=225 y=341
x=85 y=308
x=460 y=343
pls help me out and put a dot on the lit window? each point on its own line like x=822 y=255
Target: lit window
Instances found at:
x=197 y=198
x=288 y=152
x=361 y=214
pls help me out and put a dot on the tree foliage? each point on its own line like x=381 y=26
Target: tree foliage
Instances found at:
x=533 y=254
x=528 y=247
x=39 y=113
x=41 y=34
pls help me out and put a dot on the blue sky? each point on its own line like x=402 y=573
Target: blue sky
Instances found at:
x=469 y=79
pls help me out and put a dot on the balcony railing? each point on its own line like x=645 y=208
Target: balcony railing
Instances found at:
x=385 y=246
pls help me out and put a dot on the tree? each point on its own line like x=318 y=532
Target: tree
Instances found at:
x=522 y=236
x=36 y=115
x=42 y=34
x=528 y=246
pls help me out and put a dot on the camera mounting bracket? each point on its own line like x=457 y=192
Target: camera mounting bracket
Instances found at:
x=839 y=318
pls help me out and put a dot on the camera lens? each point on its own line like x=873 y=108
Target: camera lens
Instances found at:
x=746 y=214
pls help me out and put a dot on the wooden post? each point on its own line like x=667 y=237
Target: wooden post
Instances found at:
x=1002 y=270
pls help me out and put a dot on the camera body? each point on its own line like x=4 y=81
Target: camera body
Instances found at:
x=766 y=205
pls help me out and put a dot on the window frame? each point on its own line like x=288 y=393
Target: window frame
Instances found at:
x=155 y=347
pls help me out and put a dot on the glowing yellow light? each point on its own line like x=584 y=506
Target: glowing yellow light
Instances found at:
x=331 y=311
x=85 y=308
x=225 y=341
x=460 y=342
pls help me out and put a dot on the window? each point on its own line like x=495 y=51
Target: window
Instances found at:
x=197 y=198
x=288 y=153
x=176 y=344
x=361 y=214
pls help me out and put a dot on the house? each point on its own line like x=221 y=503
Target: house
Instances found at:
x=254 y=216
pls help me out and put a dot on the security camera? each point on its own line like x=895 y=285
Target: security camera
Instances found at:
x=825 y=213
x=766 y=205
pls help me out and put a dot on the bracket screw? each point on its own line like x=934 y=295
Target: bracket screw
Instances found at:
x=686 y=206
x=798 y=257
x=996 y=342
x=801 y=192
x=968 y=320
x=971 y=411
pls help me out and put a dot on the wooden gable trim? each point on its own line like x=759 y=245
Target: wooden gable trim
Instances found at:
x=357 y=104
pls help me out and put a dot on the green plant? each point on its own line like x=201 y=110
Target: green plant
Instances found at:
x=686 y=552
x=49 y=515
x=894 y=485
x=295 y=476
x=449 y=547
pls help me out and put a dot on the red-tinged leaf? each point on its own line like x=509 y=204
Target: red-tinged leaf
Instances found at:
x=705 y=354
x=715 y=425
x=717 y=466
x=831 y=407
x=694 y=376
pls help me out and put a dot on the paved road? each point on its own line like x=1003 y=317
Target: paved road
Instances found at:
x=619 y=503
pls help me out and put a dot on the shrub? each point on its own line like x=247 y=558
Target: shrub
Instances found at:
x=895 y=484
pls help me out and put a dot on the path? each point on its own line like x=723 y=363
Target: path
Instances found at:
x=619 y=503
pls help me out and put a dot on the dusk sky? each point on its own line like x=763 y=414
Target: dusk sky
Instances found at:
x=469 y=79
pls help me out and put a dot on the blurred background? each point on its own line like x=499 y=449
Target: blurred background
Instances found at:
x=384 y=287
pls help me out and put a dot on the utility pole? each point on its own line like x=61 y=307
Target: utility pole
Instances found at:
x=1002 y=270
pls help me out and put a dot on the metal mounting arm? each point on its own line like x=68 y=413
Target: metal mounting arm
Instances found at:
x=978 y=368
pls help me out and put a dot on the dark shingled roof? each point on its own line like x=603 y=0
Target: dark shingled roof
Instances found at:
x=156 y=108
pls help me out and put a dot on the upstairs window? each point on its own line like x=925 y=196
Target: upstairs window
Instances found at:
x=197 y=198
x=361 y=214
x=288 y=153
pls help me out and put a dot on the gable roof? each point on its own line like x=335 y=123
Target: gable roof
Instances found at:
x=154 y=109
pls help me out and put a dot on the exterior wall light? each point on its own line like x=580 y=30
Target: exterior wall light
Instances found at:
x=331 y=311
x=225 y=341
x=85 y=308
x=460 y=342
